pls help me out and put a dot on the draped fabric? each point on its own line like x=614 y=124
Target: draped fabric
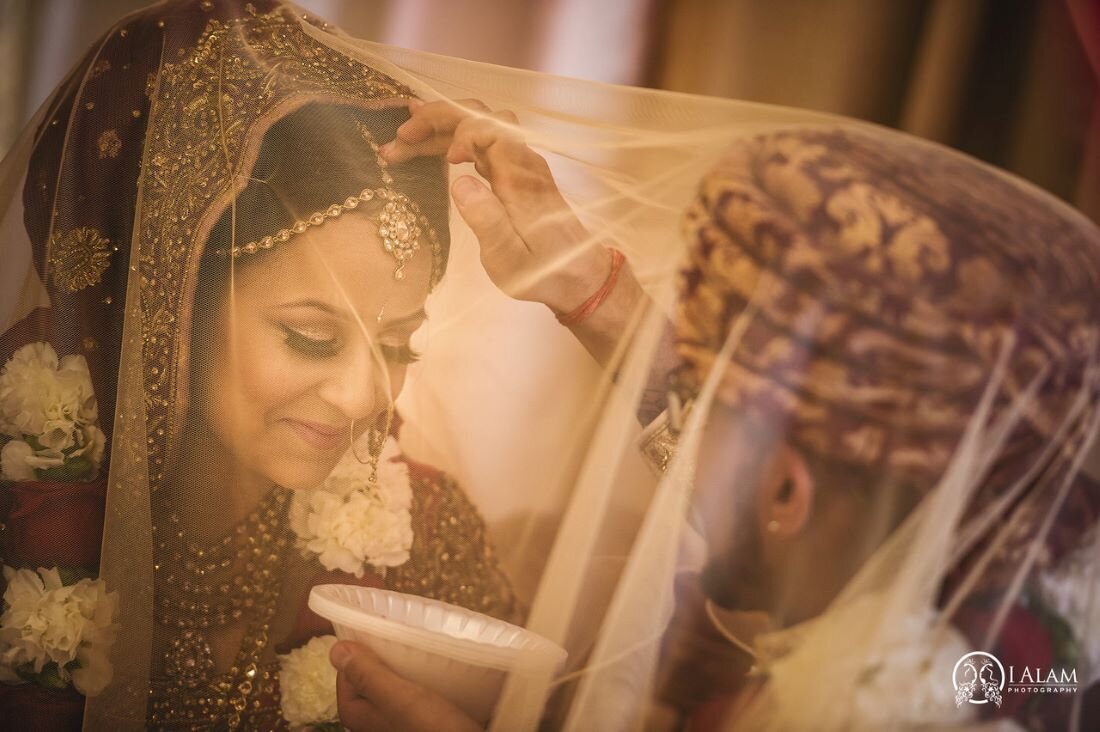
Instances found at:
x=308 y=369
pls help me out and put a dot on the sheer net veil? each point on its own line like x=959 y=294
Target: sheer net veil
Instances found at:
x=918 y=330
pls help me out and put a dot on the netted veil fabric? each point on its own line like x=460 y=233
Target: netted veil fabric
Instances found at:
x=202 y=212
x=928 y=327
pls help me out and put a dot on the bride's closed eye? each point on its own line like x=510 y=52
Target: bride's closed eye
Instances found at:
x=401 y=354
x=311 y=343
x=318 y=344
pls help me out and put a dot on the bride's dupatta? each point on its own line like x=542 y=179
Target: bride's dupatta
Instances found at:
x=146 y=159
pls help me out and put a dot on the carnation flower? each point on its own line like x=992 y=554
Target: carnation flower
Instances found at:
x=350 y=522
x=48 y=407
x=307 y=683
x=18 y=461
x=72 y=626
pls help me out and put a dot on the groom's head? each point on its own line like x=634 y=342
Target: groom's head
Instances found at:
x=851 y=294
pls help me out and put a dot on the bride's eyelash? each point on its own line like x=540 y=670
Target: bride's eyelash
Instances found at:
x=399 y=354
x=328 y=347
x=310 y=347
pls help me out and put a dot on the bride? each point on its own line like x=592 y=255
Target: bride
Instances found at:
x=248 y=271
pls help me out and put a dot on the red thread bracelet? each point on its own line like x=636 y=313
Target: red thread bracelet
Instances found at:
x=589 y=306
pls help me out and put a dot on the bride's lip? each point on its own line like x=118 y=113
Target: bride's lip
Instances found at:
x=319 y=435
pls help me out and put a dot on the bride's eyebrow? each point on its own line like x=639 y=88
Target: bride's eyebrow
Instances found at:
x=311 y=303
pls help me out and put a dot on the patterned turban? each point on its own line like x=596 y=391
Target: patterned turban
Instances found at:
x=888 y=277
x=884 y=281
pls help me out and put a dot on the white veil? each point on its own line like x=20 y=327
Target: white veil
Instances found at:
x=591 y=528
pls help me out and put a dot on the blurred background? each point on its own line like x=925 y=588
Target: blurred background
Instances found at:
x=1013 y=82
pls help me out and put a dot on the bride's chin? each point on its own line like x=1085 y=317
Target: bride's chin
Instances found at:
x=300 y=475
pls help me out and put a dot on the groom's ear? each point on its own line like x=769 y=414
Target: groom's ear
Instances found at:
x=786 y=499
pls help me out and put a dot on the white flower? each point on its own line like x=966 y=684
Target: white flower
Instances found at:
x=47 y=405
x=350 y=522
x=889 y=676
x=38 y=393
x=46 y=621
x=22 y=389
x=91 y=441
x=15 y=461
x=307 y=683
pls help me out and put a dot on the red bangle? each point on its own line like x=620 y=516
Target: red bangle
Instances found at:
x=589 y=306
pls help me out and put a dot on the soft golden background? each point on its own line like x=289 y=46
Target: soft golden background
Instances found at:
x=1009 y=81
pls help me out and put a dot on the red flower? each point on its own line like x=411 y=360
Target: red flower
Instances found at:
x=1023 y=642
x=54 y=524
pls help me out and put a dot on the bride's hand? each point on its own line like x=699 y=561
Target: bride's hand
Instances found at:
x=370 y=696
x=532 y=245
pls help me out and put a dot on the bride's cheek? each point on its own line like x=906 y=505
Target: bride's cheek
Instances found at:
x=276 y=381
x=254 y=378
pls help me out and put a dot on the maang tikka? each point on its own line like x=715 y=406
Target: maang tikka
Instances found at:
x=400 y=223
x=397 y=225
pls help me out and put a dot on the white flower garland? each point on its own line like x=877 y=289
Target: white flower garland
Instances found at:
x=350 y=522
x=49 y=410
x=307 y=684
x=45 y=621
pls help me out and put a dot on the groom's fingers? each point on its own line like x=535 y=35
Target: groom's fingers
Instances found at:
x=521 y=180
x=487 y=218
x=473 y=137
x=429 y=129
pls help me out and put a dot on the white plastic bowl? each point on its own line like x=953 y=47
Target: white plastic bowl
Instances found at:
x=461 y=655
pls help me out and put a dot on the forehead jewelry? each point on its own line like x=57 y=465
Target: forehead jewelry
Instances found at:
x=401 y=226
x=397 y=224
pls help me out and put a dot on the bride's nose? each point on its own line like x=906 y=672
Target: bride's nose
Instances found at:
x=355 y=383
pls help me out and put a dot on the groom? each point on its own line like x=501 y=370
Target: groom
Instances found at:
x=882 y=282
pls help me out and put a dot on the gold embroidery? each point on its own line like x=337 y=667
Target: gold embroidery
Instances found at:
x=109 y=145
x=200 y=588
x=206 y=709
x=78 y=258
x=452 y=559
x=658 y=445
x=101 y=67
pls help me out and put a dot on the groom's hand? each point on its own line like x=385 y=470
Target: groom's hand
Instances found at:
x=372 y=697
x=532 y=244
